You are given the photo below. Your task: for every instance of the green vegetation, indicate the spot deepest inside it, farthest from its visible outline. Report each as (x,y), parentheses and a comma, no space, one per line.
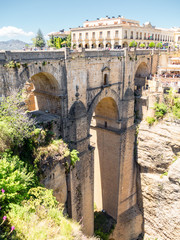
(142,45)
(103,225)
(150,120)
(133,44)
(39,41)
(151,44)
(58,42)
(160,110)
(28,211)
(170,106)
(12,64)
(159,45)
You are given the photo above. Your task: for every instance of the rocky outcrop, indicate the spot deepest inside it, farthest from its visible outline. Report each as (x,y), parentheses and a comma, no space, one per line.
(158,151)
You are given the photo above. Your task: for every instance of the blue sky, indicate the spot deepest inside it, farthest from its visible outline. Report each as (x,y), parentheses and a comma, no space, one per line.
(20,19)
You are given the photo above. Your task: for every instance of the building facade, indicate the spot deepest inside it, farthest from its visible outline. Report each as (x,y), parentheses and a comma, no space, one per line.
(117,33)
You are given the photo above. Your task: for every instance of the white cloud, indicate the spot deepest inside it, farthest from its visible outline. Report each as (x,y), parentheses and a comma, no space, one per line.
(12,32)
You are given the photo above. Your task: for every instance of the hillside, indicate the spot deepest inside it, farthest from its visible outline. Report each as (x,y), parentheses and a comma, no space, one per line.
(12,45)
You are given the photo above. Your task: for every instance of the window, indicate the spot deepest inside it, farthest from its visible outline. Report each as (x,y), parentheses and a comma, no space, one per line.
(108,34)
(125,34)
(136,35)
(145,36)
(93,35)
(116,34)
(131,34)
(86,35)
(105,79)
(141,35)
(74,36)
(80,35)
(100,34)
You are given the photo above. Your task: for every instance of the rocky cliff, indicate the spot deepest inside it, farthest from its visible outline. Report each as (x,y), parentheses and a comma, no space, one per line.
(159,160)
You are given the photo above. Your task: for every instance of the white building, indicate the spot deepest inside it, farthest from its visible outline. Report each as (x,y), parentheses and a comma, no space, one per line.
(117,32)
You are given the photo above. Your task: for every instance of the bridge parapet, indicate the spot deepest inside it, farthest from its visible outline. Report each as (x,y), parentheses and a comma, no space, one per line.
(21,56)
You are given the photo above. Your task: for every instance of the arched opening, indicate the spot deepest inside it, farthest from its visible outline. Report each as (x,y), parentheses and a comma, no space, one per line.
(104,138)
(80,45)
(105,79)
(93,45)
(116,45)
(125,44)
(87,45)
(108,45)
(140,87)
(42,93)
(100,45)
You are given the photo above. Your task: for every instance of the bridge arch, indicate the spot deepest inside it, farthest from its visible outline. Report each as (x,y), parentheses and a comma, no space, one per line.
(104,94)
(43,93)
(142,72)
(104,137)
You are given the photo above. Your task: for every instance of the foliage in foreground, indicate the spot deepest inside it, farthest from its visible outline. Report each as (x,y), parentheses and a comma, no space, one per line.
(40,218)
(27,210)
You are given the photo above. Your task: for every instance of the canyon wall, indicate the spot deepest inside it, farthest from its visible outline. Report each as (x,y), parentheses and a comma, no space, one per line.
(158,152)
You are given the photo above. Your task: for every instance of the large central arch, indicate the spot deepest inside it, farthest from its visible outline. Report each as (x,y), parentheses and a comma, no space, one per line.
(106,156)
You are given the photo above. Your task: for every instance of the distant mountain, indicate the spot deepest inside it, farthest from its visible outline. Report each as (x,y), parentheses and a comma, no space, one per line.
(12,45)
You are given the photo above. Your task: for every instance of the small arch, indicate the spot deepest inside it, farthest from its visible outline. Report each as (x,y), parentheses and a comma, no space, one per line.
(105,79)
(125,44)
(116,45)
(87,45)
(100,45)
(108,45)
(93,45)
(80,45)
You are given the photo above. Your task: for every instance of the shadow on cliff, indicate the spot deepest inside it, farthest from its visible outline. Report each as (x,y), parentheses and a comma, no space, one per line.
(138,119)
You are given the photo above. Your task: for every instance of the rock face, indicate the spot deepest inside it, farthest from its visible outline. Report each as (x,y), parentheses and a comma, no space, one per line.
(158,151)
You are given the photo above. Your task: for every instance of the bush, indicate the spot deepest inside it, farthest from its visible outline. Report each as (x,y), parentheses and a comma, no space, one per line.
(160,110)
(142,45)
(15,125)
(159,45)
(176,108)
(133,44)
(152,45)
(14,179)
(150,120)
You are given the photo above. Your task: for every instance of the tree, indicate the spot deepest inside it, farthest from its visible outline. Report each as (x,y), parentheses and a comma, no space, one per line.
(39,41)
(142,45)
(50,42)
(159,45)
(58,43)
(152,44)
(133,44)
(67,41)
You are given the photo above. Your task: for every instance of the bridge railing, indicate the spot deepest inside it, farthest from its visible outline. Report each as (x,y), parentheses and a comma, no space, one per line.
(104,53)
(31,56)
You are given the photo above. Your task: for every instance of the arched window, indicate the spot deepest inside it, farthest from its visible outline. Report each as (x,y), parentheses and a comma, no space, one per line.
(105,79)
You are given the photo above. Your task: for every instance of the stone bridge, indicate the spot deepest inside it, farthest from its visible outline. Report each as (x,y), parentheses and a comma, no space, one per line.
(92,93)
